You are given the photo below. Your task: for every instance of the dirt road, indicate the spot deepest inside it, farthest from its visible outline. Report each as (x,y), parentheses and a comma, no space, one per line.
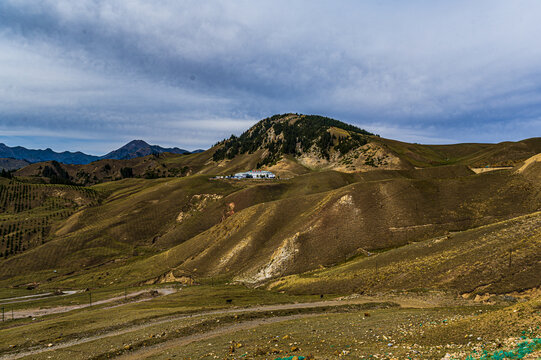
(224,329)
(255,309)
(27,298)
(60,309)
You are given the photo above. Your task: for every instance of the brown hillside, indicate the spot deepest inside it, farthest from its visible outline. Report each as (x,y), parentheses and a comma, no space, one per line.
(531,168)
(152,166)
(474,155)
(299,234)
(276,228)
(279,229)
(497,258)
(12,164)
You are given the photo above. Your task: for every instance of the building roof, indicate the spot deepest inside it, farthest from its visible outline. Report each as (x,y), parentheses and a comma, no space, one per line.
(255,173)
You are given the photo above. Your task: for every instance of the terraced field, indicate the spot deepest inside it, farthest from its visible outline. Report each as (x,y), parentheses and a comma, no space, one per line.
(30,211)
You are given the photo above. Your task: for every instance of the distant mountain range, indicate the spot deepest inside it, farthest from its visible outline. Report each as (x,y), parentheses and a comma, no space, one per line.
(133,149)
(30,155)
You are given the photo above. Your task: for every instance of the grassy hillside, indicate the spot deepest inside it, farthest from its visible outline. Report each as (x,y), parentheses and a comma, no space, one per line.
(435,257)
(474,155)
(167,219)
(140,217)
(255,231)
(497,258)
(127,223)
(301,233)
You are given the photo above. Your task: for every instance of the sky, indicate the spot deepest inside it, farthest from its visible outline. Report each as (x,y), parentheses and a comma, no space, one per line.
(92,75)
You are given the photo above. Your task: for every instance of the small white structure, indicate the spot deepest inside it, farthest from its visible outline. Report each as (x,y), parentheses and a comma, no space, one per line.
(255,174)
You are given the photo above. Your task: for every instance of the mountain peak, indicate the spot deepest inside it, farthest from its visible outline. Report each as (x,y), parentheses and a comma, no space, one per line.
(137,142)
(137,148)
(296,135)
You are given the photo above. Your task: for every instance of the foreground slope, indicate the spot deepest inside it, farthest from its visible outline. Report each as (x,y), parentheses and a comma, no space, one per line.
(496,258)
(126,224)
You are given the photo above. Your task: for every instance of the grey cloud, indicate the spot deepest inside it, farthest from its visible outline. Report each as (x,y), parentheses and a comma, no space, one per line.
(392,66)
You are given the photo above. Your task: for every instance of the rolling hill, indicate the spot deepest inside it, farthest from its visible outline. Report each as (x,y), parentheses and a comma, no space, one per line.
(188,227)
(345,201)
(475,155)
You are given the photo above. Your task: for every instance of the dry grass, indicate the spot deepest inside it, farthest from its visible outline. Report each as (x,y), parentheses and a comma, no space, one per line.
(496,258)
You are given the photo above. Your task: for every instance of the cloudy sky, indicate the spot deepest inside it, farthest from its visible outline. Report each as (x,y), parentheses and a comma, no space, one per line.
(92,75)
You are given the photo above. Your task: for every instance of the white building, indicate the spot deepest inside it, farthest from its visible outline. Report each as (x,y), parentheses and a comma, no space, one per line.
(255,174)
